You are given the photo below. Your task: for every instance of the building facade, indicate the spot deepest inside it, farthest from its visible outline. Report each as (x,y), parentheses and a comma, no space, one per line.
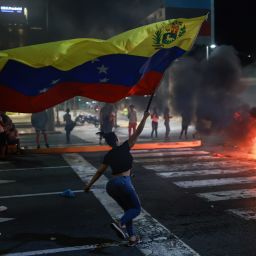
(22,22)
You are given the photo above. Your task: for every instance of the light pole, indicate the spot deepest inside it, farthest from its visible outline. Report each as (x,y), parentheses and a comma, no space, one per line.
(207,52)
(212,46)
(212,22)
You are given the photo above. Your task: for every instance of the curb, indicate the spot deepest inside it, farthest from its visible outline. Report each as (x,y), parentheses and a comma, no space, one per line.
(100,148)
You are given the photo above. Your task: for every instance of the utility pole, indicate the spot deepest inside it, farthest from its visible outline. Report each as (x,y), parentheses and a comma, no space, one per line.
(212,23)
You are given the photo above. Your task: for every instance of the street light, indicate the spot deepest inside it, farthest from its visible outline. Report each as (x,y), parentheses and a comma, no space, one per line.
(212,46)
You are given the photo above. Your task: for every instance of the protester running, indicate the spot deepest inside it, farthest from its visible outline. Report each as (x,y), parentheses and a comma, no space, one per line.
(120,187)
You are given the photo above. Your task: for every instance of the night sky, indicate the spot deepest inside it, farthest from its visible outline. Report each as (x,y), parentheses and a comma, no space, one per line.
(98,18)
(235,25)
(234,20)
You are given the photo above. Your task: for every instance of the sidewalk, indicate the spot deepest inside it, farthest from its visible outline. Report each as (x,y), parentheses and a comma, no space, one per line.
(84,138)
(85,135)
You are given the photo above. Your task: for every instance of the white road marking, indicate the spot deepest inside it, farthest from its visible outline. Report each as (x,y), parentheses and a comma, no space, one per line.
(173,159)
(5,219)
(4,162)
(228,195)
(230,166)
(171,174)
(198,165)
(7,181)
(173,153)
(156,239)
(215,182)
(247,214)
(64,249)
(38,194)
(36,168)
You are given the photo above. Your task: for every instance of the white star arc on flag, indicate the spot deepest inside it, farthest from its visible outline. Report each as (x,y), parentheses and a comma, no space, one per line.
(95,60)
(55,81)
(102,69)
(104,80)
(43,90)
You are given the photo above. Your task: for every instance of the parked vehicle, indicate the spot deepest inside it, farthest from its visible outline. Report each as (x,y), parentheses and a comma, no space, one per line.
(90,119)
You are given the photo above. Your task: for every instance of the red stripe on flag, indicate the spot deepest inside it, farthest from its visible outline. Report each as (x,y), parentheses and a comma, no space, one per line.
(11,100)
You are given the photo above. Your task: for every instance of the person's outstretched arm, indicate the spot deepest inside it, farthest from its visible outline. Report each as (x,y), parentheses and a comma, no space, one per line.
(132,140)
(96,176)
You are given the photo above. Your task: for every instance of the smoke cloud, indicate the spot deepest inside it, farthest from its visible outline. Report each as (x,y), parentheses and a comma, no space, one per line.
(209,92)
(185,81)
(97,19)
(220,87)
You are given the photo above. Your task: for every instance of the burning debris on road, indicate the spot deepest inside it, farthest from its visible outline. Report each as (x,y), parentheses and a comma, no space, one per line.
(209,92)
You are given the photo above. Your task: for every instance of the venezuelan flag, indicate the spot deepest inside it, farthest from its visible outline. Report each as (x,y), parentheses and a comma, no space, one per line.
(36,77)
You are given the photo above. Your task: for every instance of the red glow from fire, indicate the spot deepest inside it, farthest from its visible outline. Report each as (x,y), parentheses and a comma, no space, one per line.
(237,116)
(248,144)
(217,155)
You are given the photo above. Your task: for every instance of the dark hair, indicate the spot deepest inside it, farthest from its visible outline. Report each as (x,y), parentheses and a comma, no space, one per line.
(110,138)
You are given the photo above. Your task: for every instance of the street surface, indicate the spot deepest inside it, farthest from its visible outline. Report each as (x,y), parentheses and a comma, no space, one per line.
(194,202)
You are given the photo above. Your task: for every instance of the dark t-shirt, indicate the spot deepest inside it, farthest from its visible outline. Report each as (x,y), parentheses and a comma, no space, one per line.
(119,158)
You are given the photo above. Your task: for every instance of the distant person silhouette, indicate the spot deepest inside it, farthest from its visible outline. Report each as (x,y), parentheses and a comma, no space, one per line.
(167,117)
(107,120)
(132,116)
(69,124)
(185,122)
(39,121)
(155,119)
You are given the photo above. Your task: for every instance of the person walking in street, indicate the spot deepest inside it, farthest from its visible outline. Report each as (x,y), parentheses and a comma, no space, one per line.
(167,117)
(120,187)
(132,116)
(155,119)
(69,124)
(39,121)
(107,120)
(184,125)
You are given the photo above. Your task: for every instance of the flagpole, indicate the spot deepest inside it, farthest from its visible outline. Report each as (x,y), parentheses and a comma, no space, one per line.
(149,102)
(152,95)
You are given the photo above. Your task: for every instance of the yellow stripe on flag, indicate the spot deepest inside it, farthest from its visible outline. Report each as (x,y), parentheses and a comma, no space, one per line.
(142,41)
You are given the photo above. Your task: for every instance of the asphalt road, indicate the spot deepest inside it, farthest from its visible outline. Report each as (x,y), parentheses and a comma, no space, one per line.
(193,204)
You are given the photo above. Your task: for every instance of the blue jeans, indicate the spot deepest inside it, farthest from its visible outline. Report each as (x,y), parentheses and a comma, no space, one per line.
(122,191)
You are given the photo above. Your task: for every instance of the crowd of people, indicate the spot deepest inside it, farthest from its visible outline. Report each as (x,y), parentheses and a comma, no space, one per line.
(107,120)
(108,116)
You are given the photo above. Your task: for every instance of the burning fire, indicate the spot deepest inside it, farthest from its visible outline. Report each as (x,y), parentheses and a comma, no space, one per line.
(244,129)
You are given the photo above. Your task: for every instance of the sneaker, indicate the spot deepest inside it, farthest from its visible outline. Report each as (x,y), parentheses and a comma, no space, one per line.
(118,230)
(135,242)
(3,208)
